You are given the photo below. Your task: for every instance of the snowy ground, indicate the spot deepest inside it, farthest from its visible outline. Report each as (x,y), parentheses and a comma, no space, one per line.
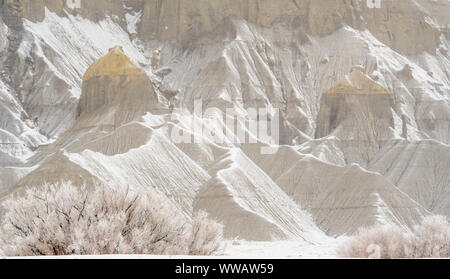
(280,249)
(249,250)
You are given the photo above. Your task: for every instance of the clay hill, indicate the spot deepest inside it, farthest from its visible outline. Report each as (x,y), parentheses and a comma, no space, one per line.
(104,92)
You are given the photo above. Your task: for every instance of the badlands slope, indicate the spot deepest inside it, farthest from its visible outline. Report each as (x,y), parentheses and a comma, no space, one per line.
(363,95)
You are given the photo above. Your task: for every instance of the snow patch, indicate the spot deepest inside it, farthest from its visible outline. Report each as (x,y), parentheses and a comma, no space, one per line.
(132,21)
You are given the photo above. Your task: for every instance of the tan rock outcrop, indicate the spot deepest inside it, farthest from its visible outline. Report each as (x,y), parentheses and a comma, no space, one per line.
(116,84)
(114,65)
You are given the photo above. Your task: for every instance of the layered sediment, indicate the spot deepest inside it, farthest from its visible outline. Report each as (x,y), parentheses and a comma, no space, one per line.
(116,84)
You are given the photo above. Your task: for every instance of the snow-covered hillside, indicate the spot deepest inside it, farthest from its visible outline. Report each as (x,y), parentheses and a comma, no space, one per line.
(363,96)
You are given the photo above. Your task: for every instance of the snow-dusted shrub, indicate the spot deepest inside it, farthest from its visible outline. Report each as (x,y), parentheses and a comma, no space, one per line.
(206,236)
(64,220)
(377,242)
(431,238)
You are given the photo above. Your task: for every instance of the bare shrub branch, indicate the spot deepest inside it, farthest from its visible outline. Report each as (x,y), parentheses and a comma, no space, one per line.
(205,237)
(430,239)
(65,220)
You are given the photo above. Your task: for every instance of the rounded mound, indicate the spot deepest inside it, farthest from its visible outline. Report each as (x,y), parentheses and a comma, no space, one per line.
(115,63)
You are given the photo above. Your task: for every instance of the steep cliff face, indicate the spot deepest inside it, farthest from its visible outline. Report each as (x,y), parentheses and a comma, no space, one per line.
(393,23)
(34,10)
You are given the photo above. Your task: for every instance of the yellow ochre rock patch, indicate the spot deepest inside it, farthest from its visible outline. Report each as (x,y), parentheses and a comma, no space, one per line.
(357,82)
(115,63)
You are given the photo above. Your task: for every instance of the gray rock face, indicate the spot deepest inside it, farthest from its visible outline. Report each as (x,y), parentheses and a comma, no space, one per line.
(359,112)
(392,23)
(419,169)
(363,95)
(344,111)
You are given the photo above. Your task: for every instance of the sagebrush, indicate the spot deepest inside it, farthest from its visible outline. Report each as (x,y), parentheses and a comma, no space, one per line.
(430,239)
(67,220)
(377,242)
